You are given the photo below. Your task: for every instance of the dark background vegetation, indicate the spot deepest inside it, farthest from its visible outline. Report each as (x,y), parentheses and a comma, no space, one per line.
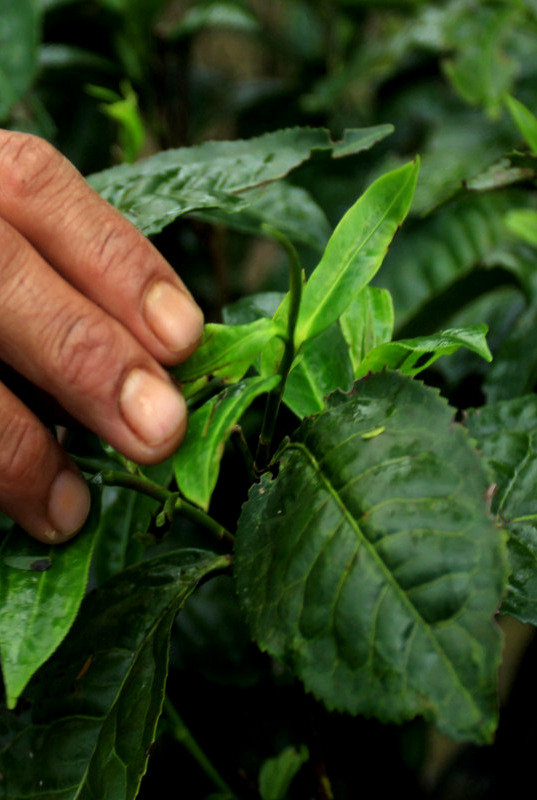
(119,79)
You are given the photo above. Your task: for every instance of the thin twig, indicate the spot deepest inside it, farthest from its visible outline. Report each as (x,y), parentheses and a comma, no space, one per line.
(140,483)
(183,736)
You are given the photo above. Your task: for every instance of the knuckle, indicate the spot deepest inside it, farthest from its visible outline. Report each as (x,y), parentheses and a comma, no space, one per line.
(85,354)
(27,164)
(23,444)
(119,255)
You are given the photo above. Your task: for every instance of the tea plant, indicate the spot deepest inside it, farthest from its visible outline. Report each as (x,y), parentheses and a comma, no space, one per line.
(365,556)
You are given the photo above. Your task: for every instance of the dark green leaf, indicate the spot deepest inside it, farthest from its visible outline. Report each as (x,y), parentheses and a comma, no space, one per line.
(197,462)
(371,566)
(432,254)
(19,36)
(252,307)
(155,191)
(38,607)
(506,433)
(289,209)
(97,701)
(514,369)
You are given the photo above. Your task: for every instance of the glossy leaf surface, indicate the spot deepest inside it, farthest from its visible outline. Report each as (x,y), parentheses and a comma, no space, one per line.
(321,368)
(506,433)
(371,566)
(411,356)
(97,701)
(367,322)
(38,607)
(197,462)
(226,351)
(355,250)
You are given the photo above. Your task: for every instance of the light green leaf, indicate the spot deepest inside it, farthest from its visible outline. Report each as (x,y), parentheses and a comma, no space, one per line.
(411,356)
(19,37)
(355,250)
(37,608)
(276,774)
(371,565)
(523,223)
(506,434)
(525,121)
(156,190)
(197,462)
(321,368)
(227,351)
(97,701)
(367,322)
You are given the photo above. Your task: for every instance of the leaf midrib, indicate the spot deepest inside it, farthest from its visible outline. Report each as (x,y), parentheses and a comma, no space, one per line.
(385,570)
(302,332)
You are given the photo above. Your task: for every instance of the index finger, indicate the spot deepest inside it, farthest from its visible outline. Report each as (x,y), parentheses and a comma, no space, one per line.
(95,248)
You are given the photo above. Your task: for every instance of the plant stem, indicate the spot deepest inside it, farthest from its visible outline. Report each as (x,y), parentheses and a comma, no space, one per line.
(184,737)
(274,398)
(140,483)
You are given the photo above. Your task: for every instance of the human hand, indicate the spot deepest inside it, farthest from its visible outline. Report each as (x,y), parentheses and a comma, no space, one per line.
(89,311)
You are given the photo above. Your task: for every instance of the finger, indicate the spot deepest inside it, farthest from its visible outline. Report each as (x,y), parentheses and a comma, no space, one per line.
(95,248)
(39,487)
(66,345)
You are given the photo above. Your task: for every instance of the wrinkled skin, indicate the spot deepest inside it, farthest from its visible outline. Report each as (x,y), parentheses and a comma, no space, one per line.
(90,313)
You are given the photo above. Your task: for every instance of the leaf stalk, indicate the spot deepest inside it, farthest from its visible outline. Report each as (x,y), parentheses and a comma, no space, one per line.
(140,483)
(183,735)
(274,398)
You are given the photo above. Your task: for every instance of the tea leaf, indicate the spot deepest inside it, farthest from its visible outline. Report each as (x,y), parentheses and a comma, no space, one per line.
(37,608)
(197,462)
(506,433)
(227,351)
(97,701)
(322,367)
(153,192)
(367,322)
(411,356)
(355,250)
(525,121)
(371,566)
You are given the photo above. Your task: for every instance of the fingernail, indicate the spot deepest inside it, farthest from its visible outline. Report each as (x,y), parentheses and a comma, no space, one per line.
(68,505)
(153,408)
(173,317)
